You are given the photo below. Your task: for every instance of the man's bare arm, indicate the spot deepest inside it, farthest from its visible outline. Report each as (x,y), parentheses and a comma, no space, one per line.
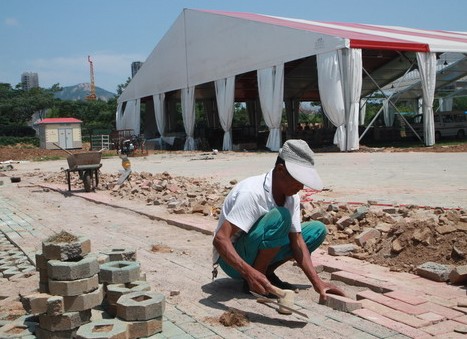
(302,256)
(256,280)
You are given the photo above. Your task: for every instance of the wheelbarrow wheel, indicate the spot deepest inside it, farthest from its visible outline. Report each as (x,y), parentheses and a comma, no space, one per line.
(87,181)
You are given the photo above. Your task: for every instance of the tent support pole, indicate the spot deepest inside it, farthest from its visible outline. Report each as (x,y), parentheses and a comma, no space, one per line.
(392,104)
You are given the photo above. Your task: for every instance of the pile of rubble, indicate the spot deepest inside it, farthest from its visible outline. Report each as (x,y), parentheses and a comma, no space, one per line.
(404,238)
(181,195)
(81,294)
(399,237)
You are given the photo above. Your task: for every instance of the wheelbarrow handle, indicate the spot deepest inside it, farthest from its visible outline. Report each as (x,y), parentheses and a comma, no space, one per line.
(62,148)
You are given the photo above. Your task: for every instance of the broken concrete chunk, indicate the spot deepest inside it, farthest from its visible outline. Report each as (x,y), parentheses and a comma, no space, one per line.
(434,271)
(343,249)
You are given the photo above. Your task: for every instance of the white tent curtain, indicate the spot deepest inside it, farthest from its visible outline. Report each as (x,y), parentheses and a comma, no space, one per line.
(225,92)
(445,104)
(271,95)
(131,118)
(352,90)
(188,114)
(159,112)
(388,113)
(340,85)
(363,103)
(119,116)
(427,68)
(330,92)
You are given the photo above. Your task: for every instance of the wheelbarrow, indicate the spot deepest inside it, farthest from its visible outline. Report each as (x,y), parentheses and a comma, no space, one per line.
(87,165)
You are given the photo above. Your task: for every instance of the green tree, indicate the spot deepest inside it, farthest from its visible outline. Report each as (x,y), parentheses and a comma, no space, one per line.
(121,87)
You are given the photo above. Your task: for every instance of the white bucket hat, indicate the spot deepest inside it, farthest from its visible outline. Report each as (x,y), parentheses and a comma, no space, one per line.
(299,162)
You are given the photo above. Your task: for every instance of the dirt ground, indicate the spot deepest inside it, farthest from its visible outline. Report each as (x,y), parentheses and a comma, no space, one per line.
(408,236)
(27,152)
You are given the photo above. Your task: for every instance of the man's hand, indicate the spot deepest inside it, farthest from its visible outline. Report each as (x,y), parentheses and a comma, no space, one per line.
(325,288)
(258,282)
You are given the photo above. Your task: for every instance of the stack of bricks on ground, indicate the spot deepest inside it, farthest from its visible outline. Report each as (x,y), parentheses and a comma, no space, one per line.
(74,281)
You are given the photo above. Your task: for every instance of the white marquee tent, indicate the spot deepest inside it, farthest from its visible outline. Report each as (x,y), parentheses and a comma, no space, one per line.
(230,56)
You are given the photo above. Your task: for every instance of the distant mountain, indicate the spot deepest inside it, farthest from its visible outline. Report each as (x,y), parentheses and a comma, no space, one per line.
(81,91)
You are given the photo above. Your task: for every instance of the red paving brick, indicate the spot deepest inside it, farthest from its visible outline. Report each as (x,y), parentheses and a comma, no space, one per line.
(389,302)
(393,325)
(358,280)
(409,298)
(443,327)
(441,310)
(390,313)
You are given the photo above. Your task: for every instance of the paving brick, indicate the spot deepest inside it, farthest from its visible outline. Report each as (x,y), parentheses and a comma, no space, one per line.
(115,291)
(143,329)
(16,330)
(342,304)
(66,250)
(103,329)
(461,319)
(119,272)
(451,335)
(41,262)
(433,318)
(140,306)
(73,287)
(458,275)
(408,319)
(441,310)
(443,327)
(73,270)
(342,249)
(35,303)
(434,271)
(408,298)
(196,329)
(359,280)
(64,322)
(84,301)
(367,235)
(392,303)
(394,325)
(55,305)
(171,330)
(46,334)
(121,254)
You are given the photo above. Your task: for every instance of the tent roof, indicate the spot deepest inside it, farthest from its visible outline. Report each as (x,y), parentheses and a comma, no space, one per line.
(204,45)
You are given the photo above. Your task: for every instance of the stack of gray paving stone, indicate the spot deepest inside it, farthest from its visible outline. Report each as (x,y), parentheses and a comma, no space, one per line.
(73,281)
(128,296)
(69,275)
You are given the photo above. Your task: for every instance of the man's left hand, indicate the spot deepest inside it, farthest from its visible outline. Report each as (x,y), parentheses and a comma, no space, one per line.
(327,288)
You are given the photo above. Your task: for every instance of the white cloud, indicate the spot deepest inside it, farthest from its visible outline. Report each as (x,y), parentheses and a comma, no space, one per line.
(11,22)
(110,70)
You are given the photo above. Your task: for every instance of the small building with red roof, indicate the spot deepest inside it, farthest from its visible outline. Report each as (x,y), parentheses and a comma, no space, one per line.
(64,132)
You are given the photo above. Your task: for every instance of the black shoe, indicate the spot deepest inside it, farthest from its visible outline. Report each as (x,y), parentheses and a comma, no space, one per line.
(274,279)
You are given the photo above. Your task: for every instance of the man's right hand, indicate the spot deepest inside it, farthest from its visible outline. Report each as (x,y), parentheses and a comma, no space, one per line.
(258,282)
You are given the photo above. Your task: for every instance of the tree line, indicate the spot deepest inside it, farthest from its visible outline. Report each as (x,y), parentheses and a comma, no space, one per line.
(18,106)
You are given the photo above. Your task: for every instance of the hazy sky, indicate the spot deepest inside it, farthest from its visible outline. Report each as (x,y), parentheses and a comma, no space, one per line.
(54,37)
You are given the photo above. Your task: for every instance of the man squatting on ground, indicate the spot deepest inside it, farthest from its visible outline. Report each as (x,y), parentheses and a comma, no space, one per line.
(260,226)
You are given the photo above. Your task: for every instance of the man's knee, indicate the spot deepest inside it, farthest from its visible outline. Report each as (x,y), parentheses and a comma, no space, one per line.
(277,222)
(314,233)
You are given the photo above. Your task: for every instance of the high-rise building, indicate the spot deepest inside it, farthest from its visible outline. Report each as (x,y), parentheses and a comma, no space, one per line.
(135,66)
(29,80)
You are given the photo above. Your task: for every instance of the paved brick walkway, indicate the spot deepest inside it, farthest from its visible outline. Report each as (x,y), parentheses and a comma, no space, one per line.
(395,305)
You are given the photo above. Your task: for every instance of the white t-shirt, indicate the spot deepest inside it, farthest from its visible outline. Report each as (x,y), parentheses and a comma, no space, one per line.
(249,200)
